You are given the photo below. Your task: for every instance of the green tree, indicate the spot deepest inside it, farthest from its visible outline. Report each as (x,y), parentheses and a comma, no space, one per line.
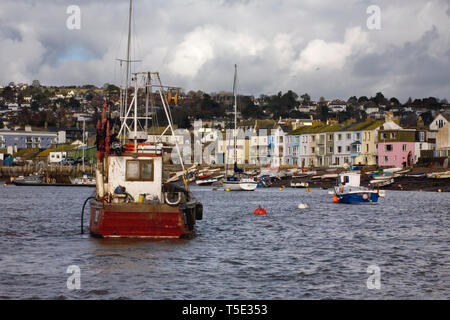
(362,99)
(306,99)
(322,112)
(8,94)
(352,100)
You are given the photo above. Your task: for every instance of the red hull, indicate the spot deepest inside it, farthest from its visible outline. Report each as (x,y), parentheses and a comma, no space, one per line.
(141,221)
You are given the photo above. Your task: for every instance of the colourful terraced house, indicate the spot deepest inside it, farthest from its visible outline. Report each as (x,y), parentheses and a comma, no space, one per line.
(336,144)
(314,144)
(401,147)
(368,152)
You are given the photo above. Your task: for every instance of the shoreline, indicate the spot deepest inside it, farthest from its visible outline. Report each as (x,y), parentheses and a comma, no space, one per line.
(400,183)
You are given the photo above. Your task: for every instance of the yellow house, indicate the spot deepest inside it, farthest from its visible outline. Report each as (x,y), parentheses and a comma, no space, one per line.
(369,136)
(226,151)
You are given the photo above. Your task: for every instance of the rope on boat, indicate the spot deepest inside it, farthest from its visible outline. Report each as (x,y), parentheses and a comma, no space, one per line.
(82,211)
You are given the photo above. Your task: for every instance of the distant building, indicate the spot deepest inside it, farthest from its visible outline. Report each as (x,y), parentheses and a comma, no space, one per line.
(337,106)
(22,139)
(56,156)
(439,122)
(401,147)
(443,141)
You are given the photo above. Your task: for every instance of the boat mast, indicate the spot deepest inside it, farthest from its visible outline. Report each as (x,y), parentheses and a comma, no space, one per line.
(128,58)
(235,114)
(84,145)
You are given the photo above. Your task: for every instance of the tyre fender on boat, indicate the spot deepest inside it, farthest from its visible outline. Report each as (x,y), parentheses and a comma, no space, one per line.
(189,219)
(198,211)
(172,203)
(365,196)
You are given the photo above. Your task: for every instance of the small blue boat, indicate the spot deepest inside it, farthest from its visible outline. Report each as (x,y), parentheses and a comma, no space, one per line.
(349,190)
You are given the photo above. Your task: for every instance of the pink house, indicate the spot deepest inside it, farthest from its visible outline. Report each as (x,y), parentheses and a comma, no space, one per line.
(395,154)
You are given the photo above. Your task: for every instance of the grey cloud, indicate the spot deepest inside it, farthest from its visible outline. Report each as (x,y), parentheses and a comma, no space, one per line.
(265,38)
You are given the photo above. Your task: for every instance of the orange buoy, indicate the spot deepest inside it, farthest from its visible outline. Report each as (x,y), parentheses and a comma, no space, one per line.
(335,199)
(260,210)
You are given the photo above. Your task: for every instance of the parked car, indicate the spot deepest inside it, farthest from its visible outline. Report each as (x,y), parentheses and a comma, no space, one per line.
(79,160)
(67,162)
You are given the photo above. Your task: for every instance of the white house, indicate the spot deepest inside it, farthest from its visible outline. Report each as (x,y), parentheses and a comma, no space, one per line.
(439,122)
(443,141)
(342,147)
(56,156)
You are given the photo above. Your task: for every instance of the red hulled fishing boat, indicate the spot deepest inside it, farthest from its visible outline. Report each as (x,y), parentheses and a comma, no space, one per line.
(132,199)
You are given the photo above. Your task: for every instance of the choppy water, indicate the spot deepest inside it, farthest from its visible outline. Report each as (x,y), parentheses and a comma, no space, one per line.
(319,253)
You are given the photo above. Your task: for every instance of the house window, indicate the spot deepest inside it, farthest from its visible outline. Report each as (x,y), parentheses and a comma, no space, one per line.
(348,148)
(386,159)
(339,136)
(312,149)
(330,137)
(421,136)
(139,170)
(392,135)
(388,147)
(404,147)
(330,149)
(349,136)
(339,149)
(313,138)
(358,136)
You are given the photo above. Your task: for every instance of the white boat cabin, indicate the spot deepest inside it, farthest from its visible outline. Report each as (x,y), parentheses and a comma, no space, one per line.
(350,179)
(140,174)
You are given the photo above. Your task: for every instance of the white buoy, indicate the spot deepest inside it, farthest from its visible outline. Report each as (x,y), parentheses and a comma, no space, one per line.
(303,206)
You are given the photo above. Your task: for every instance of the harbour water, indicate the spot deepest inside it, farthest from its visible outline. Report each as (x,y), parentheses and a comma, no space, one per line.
(322,252)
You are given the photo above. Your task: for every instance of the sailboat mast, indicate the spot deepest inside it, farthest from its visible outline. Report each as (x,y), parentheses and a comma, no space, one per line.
(128,58)
(84,144)
(235,113)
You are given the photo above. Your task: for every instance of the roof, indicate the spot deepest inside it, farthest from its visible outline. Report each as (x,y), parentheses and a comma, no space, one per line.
(26,153)
(317,128)
(345,126)
(61,148)
(265,124)
(365,125)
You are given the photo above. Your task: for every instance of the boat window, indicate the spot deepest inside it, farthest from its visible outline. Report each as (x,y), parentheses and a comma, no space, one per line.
(147,170)
(139,170)
(132,173)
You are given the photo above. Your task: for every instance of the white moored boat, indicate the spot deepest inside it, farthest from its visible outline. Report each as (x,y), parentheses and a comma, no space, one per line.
(205,182)
(240,185)
(439,175)
(238,181)
(297,184)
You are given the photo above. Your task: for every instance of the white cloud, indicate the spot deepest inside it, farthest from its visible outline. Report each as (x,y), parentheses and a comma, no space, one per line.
(320,54)
(209,42)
